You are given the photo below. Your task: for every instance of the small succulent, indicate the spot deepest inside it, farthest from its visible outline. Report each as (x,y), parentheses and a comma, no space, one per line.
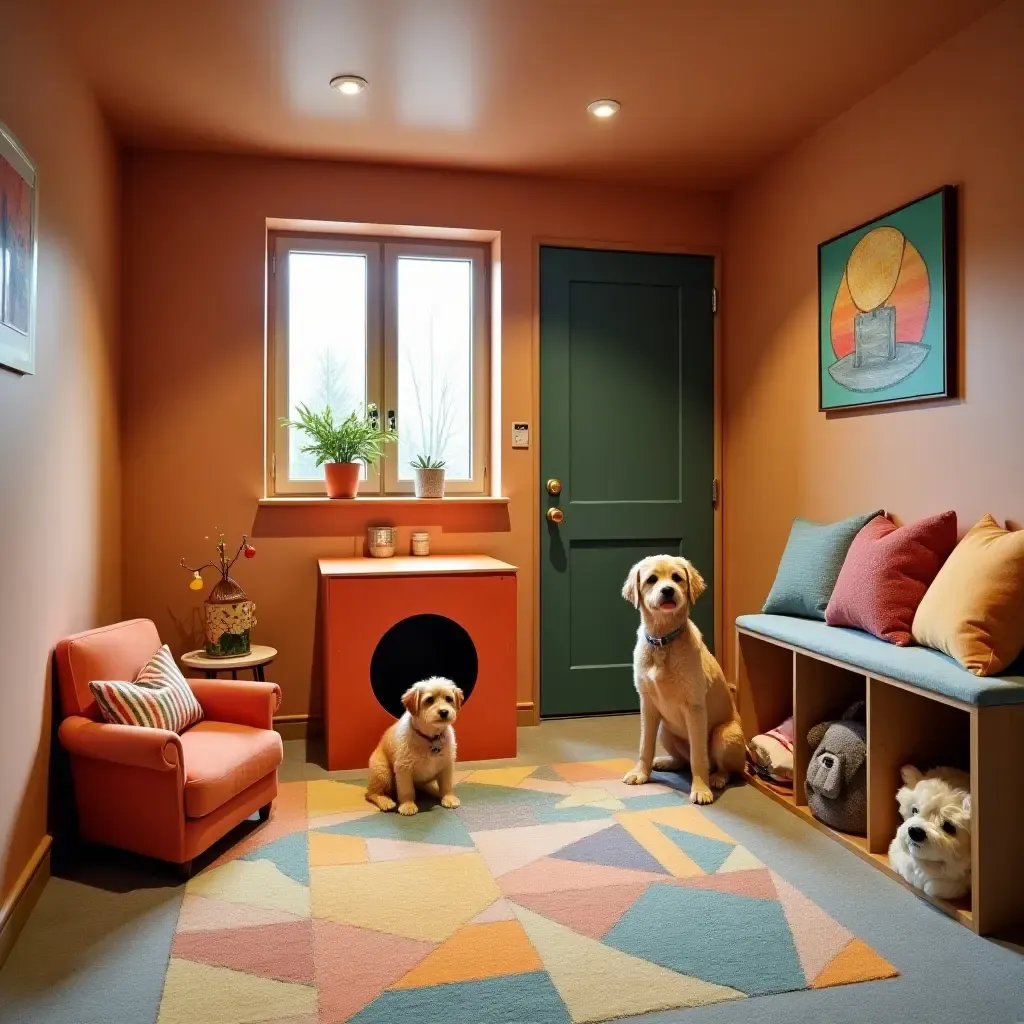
(427,462)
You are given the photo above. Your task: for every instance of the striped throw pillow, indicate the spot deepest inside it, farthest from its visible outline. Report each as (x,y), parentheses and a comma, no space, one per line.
(160,698)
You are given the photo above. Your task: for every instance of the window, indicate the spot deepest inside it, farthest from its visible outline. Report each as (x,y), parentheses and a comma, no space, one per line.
(402,325)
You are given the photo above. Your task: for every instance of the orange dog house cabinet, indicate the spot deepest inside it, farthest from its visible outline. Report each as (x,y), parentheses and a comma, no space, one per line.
(390,622)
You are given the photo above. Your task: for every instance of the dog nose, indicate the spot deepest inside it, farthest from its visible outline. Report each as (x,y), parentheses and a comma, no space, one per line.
(667,592)
(443,712)
(917,833)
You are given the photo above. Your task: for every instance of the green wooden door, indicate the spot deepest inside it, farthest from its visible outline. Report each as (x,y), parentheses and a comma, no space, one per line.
(627,426)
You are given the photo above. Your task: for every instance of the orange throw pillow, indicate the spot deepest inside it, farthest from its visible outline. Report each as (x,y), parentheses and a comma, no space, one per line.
(974,611)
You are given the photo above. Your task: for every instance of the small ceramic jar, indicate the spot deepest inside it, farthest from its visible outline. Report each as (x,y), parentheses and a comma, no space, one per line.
(421,543)
(380,540)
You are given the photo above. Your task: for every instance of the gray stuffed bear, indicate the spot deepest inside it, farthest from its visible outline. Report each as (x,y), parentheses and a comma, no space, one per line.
(836,781)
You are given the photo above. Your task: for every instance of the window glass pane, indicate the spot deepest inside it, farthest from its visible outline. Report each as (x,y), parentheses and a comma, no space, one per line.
(326,343)
(435,363)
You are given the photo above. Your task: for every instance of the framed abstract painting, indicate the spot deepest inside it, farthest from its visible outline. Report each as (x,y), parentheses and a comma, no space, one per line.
(18,228)
(887,307)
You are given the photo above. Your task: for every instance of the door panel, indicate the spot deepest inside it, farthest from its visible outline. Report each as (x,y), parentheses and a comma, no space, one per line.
(619,391)
(627,425)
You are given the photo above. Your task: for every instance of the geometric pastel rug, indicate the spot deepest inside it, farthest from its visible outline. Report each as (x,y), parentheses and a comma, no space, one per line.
(553,895)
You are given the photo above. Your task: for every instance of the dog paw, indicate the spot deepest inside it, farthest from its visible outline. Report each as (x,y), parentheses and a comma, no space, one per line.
(385,803)
(665,764)
(408,808)
(719,780)
(699,794)
(450,800)
(637,777)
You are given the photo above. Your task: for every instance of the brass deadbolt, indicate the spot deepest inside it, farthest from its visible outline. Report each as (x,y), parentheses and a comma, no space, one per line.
(554,486)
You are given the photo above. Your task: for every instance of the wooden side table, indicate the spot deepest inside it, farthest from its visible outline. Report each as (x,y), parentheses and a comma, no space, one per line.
(258,656)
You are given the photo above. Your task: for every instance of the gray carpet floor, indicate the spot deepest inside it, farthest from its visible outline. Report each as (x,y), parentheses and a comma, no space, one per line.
(95,949)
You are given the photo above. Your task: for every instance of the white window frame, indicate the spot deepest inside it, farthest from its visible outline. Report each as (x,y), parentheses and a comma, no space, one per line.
(382,257)
(479,371)
(280,475)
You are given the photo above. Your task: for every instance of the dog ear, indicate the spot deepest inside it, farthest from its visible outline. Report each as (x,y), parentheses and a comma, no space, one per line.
(459,697)
(411,700)
(631,588)
(967,806)
(817,733)
(911,776)
(695,585)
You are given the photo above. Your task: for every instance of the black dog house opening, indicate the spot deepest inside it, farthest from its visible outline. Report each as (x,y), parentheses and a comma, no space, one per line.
(417,648)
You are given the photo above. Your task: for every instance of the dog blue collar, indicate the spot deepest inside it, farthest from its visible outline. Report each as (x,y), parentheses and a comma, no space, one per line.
(663,641)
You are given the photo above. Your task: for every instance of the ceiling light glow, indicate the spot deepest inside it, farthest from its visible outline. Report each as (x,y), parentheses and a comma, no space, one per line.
(349,85)
(603,108)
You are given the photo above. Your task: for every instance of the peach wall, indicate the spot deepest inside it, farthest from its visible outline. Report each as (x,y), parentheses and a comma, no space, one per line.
(59,462)
(194,257)
(955,117)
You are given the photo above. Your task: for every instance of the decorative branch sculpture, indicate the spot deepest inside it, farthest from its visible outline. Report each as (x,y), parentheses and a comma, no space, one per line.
(223,564)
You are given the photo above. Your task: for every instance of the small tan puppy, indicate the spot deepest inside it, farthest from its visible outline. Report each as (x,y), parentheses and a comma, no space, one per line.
(684,698)
(418,750)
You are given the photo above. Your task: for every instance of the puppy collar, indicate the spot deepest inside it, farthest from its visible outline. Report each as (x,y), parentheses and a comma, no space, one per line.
(663,641)
(436,742)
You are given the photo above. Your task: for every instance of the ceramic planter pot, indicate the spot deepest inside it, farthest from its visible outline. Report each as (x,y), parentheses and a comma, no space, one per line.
(342,479)
(429,482)
(229,617)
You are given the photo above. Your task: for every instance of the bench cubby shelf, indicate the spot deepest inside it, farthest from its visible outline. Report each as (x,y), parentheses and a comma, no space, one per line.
(905,724)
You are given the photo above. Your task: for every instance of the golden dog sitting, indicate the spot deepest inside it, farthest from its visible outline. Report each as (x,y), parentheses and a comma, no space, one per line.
(418,750)
(684,698)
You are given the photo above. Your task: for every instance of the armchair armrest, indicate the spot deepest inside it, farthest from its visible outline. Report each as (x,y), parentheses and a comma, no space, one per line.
(237,701)
(135,746)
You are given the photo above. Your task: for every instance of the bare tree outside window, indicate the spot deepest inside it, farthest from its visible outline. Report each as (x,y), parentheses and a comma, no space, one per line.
(435,307)
(334,391)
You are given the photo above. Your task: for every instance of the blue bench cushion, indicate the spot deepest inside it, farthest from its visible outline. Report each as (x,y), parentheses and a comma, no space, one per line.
(919,666)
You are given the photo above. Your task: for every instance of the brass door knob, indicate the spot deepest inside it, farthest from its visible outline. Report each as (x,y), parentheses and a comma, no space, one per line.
(554,486)
(555,515)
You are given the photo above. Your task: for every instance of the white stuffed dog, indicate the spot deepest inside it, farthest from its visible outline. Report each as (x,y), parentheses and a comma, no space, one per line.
(932,848)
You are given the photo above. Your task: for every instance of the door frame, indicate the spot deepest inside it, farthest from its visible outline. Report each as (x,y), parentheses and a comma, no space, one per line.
(529,712)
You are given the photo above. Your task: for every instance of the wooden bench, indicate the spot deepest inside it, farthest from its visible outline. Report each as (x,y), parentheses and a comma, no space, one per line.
(922,709)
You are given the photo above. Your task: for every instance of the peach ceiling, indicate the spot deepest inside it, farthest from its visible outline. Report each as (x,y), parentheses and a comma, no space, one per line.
(709,88)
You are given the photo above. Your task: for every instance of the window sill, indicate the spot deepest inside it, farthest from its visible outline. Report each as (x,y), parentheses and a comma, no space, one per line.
(316,501)
(314,516)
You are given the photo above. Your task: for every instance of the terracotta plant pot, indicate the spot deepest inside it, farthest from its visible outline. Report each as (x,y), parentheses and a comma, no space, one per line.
(429,482)
(342,479)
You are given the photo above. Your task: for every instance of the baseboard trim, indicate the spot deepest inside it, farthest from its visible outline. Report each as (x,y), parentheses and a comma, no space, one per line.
(526,713)
(298,727)
(23,897)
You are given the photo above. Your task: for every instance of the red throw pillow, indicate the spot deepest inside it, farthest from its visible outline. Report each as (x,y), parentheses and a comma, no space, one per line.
(887,570)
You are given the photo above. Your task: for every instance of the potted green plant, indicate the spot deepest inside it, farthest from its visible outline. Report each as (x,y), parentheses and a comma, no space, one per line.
(429,476)
(341,447)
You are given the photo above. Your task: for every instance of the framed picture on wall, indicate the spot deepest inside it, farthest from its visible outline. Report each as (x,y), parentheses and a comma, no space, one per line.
(887,307)
(18,227)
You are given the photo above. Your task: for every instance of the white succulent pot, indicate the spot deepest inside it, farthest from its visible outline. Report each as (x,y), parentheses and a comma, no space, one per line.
(429,482)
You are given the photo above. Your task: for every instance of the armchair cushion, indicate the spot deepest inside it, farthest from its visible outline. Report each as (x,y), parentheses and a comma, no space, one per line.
(159,698)
(238,701)
(222,759)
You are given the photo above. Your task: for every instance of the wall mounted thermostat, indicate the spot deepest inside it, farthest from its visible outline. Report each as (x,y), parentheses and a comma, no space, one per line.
(520,435)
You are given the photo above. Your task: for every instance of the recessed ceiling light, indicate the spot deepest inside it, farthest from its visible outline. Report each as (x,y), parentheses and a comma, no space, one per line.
(603,108)
(349,85)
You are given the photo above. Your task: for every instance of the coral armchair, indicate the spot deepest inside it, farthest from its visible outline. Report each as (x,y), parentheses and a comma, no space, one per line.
(150,790)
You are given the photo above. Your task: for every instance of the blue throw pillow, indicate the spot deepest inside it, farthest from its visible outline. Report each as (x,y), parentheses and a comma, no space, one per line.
(810,566)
